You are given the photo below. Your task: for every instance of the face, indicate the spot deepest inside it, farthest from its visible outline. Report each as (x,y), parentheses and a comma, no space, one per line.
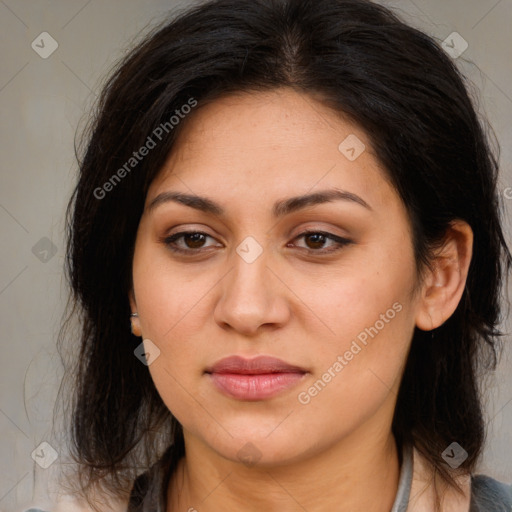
(324,284)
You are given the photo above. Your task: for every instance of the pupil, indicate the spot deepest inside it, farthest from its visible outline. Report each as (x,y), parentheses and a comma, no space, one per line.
(195,238)
(319,241)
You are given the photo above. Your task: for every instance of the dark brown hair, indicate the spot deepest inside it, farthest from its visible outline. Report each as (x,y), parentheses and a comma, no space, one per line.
(363,62)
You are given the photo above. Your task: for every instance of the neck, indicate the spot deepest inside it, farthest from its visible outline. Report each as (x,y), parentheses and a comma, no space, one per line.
(347,477)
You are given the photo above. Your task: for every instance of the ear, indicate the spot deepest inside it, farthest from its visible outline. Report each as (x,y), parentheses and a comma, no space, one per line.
(135,321)
(443,286)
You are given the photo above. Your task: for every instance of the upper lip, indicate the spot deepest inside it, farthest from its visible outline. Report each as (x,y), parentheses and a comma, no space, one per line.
(254,366)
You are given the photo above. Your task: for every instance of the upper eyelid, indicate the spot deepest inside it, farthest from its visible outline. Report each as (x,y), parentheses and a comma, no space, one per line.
(289,232)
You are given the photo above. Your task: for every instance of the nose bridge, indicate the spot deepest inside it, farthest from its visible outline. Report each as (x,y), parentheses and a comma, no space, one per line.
(250,276)
(250,297)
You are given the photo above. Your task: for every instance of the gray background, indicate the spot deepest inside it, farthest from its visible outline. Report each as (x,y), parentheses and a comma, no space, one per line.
(43,101)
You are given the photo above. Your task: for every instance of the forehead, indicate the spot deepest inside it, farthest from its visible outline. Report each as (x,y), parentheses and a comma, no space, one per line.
(279,142)
(267,118)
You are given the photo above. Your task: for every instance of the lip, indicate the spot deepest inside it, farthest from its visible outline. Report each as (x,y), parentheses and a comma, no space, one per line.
(254,379)
(256,365)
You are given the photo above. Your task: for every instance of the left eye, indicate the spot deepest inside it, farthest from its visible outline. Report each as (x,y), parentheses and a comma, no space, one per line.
(194,241)
(317,239)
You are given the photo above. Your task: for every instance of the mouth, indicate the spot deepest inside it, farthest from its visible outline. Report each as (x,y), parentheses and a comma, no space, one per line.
(254,379)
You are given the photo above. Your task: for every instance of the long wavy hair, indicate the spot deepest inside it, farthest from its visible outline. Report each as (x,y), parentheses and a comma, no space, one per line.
(363,62)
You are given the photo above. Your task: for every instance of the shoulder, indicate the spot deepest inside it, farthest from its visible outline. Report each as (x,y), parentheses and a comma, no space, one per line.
(490,495)
(427,488)
(148,492)
(480,493)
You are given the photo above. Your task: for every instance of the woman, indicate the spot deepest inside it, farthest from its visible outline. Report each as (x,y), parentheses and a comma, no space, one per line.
(295,204)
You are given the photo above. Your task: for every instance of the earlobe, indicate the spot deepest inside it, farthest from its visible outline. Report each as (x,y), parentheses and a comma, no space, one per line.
(136,330)
(445,282)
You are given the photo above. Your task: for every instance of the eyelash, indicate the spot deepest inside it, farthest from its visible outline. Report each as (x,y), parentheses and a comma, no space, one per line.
(341,242)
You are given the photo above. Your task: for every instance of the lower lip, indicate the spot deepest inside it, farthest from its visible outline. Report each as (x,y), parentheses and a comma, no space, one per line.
(254,387)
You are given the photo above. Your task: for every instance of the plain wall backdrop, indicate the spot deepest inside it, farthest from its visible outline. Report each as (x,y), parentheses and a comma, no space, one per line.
(46,97)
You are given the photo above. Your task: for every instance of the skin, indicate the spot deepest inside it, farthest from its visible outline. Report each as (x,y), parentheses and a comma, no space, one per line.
(336,452)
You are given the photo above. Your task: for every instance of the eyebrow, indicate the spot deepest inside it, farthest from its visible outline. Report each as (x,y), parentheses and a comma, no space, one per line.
(280,209)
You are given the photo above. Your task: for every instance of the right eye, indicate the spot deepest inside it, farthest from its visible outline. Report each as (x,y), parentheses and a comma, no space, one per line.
(193,241)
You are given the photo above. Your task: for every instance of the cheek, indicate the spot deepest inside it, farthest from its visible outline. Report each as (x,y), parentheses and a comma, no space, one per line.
(169,299)
(175,387)
(361,371)
(370,316)
(170,311)
(349,304)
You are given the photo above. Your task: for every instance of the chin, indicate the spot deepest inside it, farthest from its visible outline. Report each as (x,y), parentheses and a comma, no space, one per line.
(254,448)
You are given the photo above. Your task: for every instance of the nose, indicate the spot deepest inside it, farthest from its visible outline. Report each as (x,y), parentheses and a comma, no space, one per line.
(252,297)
